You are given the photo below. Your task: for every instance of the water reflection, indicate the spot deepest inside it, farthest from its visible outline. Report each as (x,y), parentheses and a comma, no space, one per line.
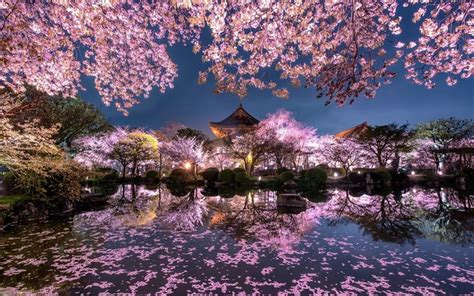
(153,239)
(393,216)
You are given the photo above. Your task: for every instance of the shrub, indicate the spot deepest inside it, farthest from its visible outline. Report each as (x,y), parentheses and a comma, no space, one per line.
(340,172)
(62,181)
(180,177)
(315,177)
(399,177)
(226,191)
(226,176)
(210,175)
(239,170)
(356,178)
(10,182)
(152,175)
(302,173)
(242,178)
(178,189)
(107,175)
(383,175)
(281,170)
(285,176)
(324,167)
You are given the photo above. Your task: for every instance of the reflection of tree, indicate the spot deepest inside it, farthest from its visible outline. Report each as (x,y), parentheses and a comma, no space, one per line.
(256,223)
(385,217)
(186,213)
(404,216)
(448,215)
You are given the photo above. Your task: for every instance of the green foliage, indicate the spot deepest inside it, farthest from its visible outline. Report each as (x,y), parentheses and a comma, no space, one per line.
(107,175)
(226,192)
(239,170)
(12,199)
(270,184)
(178,189)
(152,175)
(446,130)
(226,176)
(285,176)
(180,177)
(399,177)
(301,173)
(192,133)
(324,167)
(210,175)
(242,178)
(10,182)
(134,149)
(340,172)
(59,179)
(74,117)
(356,178)
(62,182)
(281,170)
(315,178)
(382,175)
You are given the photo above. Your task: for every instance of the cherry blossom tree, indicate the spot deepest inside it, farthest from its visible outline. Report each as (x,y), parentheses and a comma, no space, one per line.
(220,158)
(26,146)
(293,141)
(344,49)
(138,147)
(95,150)
(184,150)
(443,134)
(385,142)
(251,148)
(344,153)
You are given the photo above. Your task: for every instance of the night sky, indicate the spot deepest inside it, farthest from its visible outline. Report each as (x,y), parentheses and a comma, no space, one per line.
(195,105)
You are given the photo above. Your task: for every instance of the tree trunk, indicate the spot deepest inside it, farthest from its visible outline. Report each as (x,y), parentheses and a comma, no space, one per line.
(379,158)
(161,165)
(124,169)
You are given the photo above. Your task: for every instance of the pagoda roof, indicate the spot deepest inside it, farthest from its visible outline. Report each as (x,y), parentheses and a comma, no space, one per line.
(240,117)
(354,131)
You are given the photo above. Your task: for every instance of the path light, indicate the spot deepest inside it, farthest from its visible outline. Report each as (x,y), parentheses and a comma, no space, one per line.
(336,174)
(164,174)
(187,165)
(412,173)
(359,172)
(440,173)
(260,178)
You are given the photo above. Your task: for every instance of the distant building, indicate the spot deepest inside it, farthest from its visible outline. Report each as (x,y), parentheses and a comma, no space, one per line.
(353,132)
(240,121)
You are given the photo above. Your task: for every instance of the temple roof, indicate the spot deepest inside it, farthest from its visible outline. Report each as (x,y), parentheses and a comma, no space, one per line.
(354,131)
(240,117)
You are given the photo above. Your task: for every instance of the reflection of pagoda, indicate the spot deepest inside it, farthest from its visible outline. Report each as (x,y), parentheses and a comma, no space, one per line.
(237,122)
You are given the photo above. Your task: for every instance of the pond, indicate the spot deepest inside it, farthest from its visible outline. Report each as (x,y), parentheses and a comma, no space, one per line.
(418,241)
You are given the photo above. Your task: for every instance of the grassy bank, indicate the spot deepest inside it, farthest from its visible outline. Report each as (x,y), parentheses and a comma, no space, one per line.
(7,200)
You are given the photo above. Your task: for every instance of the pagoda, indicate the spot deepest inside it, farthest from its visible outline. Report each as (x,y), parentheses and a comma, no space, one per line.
(238,122)
(353,132)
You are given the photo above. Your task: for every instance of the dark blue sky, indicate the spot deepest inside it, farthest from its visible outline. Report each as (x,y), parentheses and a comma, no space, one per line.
(195,105)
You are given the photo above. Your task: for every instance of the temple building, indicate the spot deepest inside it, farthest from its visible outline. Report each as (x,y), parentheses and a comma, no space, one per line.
(238,122)
(353,132)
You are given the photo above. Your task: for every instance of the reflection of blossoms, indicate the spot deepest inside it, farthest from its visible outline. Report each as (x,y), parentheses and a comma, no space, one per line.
(187,214)
(395,218)
(258,226)
(129,206)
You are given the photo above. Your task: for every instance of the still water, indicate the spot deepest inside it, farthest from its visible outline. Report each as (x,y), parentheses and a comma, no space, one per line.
(419,241)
